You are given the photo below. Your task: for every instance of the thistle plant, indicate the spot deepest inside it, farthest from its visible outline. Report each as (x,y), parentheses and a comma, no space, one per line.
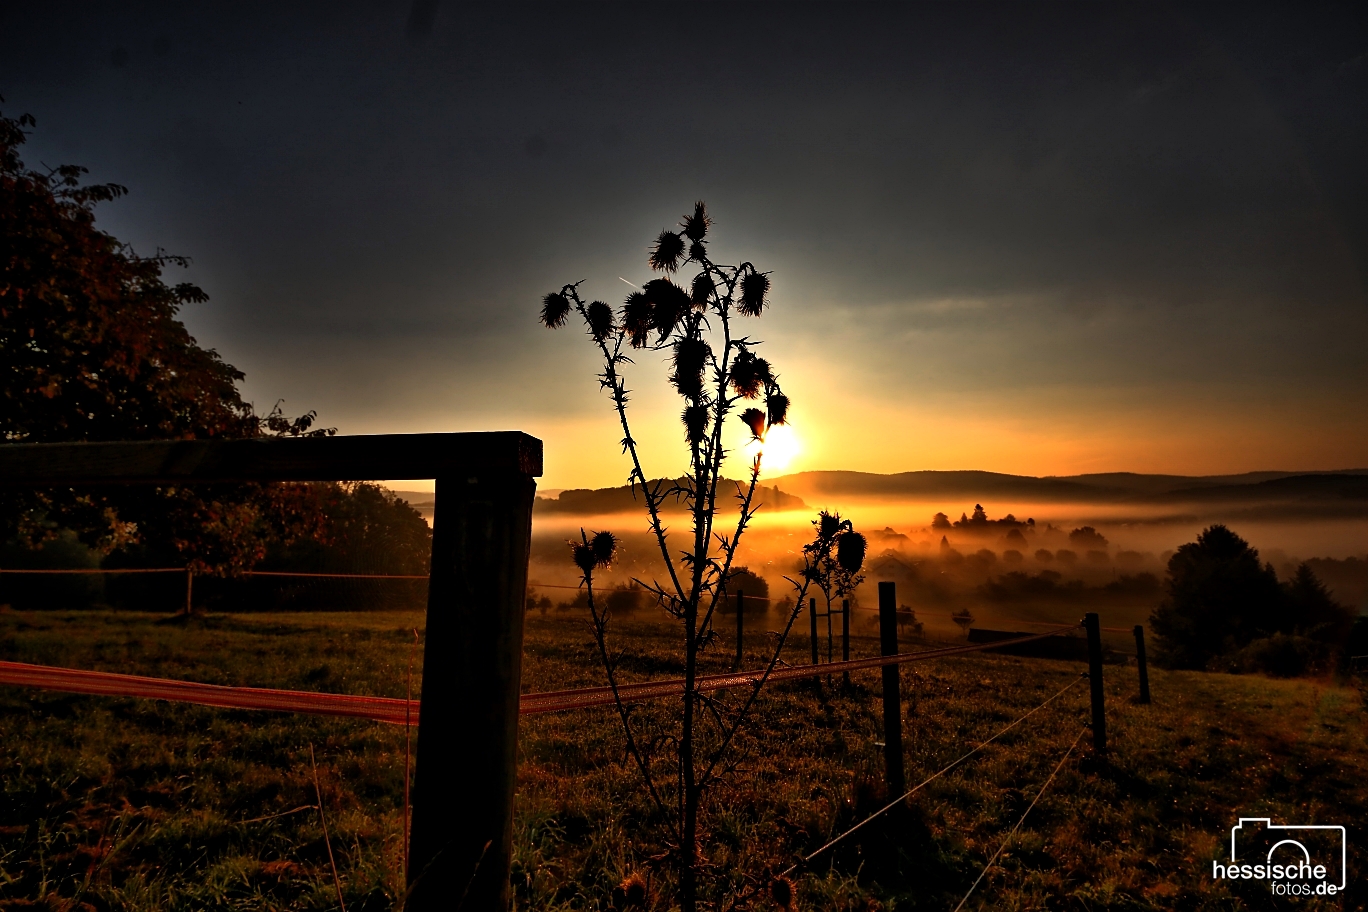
(719,375)
(833,560)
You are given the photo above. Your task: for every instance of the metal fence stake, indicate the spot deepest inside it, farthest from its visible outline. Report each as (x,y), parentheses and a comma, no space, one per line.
(812,616)
(1099,713)
(740,613)
(845,639)
(892,696)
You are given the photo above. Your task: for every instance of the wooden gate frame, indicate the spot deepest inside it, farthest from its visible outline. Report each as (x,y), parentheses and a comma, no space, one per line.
(462,830)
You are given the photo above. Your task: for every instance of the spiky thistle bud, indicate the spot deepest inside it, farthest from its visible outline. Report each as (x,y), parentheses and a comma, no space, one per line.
(850,551)
(637,318)
(696,225)
(829,524)
(669,304)
(695,418)
(604,545)
(669,247)
(634,891)
(701,290)
(749,374)
(754,287)
(555,308)
(697,252)
(754,419)
(777,404)
(690,357)
(583,555)
(781,892)
(600,318)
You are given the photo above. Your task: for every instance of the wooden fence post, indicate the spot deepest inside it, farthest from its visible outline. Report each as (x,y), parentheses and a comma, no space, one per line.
(812,615)
(189,591)
(892,696)
(740,612)
(1099,712)
(845,638)
(1140,663)
(462,829)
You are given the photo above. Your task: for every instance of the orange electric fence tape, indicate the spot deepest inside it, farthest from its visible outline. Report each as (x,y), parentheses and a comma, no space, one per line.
(391,710)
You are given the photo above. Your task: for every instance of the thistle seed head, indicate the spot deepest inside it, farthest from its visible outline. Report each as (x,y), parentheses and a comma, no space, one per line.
(754,419)
(669,247)
(777,404)
(701,290)
(696,225)
(749,374)
(695,418)
(637,319)
(583,556)
(604,545)
(669,304)
(829,524)
(850,551)
(634,891)
(690,357)
(555,308)
(600,318)
(781,892)
(754,287)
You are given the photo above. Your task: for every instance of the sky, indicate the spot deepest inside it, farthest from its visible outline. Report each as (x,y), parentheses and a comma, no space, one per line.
(1027,238)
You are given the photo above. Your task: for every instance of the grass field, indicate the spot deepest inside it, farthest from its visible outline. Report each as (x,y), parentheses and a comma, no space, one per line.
(126,804)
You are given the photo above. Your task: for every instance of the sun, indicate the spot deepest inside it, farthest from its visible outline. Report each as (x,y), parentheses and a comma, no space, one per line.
(780,447)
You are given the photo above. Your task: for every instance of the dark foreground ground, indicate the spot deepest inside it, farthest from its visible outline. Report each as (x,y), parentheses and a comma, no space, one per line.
(132,805)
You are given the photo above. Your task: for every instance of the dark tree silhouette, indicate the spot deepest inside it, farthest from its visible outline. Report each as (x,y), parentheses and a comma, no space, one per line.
(1217,598)
(91,349)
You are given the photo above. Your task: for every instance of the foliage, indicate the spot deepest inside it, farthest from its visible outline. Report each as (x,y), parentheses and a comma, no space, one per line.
(1219,600)
(755,587)
(963,618)
(91,349)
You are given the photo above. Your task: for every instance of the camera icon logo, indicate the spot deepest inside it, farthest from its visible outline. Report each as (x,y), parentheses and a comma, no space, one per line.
(1305,859)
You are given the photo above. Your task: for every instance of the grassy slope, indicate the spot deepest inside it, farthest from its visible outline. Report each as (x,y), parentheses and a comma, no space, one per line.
(136,805)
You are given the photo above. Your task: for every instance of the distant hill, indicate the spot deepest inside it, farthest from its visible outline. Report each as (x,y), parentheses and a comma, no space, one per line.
(1119,487)
(584,501)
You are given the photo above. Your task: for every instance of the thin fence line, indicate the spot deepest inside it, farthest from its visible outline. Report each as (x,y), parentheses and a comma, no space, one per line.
(83,570)
(932,778)
(110,570)
(395,711)
(407,576)
(646,690)
(1012,834)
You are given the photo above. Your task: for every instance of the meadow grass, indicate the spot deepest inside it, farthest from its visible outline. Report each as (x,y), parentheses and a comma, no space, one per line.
(128,804)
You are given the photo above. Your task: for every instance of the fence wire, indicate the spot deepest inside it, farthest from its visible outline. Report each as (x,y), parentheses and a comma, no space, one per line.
(928,780)
(1012,834)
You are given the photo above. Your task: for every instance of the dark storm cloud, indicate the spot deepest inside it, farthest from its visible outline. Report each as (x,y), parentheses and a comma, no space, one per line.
(1125,190)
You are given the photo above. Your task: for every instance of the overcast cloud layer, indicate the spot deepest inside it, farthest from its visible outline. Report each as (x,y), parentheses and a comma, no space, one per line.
(1027,238)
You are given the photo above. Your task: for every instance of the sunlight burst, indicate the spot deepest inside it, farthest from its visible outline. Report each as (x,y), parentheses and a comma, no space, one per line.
(780,447)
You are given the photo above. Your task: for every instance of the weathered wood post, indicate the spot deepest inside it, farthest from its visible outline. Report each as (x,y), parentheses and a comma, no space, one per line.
(1099,713)
(812,616)
(462,831)
(740,626)
(892,696)
(845,638)
(1140,663)
(461,835)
